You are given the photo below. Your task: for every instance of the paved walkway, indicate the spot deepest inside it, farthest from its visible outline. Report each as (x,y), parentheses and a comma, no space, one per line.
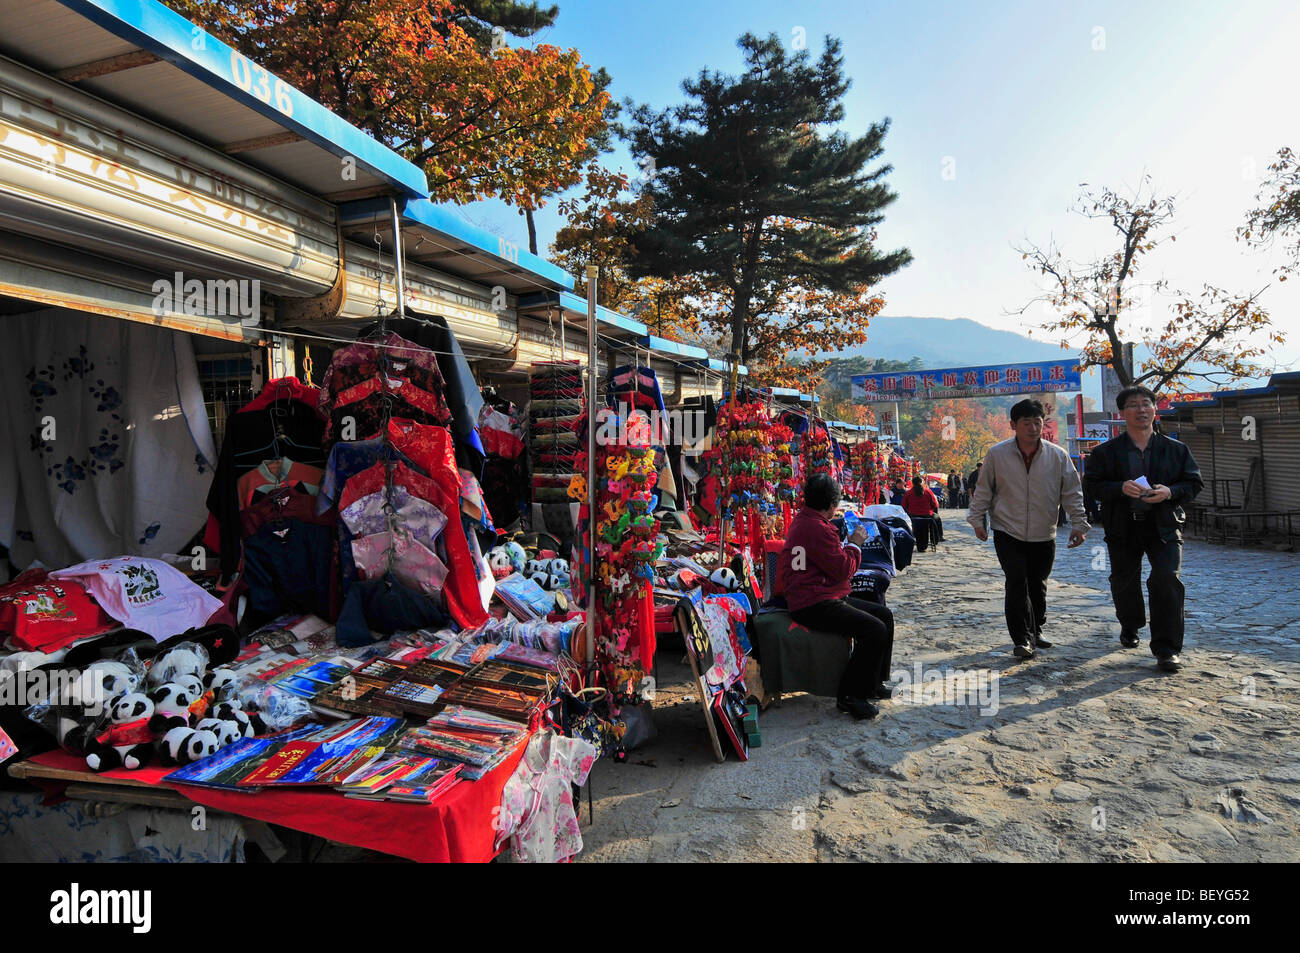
(1084,753)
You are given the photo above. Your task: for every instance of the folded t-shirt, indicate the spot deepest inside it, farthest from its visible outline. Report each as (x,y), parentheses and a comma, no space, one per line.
(144,594)
(43,615)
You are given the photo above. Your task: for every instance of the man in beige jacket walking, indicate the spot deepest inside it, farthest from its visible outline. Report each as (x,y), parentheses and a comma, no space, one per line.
(1022,486)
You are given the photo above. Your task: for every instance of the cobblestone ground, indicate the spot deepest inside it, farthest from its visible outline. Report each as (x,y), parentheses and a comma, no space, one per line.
(1085,753)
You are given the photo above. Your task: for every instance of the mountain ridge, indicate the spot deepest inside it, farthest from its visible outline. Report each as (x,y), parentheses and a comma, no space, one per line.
(947,342)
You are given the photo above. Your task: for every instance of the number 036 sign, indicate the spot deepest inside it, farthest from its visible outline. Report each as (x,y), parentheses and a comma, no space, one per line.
(251,78)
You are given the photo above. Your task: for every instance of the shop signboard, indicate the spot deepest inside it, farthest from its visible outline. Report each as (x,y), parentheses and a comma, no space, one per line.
(954,382)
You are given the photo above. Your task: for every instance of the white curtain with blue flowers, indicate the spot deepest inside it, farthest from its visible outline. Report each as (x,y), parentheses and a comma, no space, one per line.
(105,448)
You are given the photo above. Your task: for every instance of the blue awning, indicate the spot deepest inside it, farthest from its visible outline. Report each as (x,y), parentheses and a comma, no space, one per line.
(617,326)
(435,236)
(146,58)
(723,367)
(677,349)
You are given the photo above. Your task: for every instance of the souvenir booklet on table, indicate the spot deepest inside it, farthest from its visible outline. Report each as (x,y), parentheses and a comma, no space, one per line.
(315,759)
(225,768)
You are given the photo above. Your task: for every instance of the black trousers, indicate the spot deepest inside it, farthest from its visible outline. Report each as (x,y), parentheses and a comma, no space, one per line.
(1164,585)
(1026,566)
(870,626)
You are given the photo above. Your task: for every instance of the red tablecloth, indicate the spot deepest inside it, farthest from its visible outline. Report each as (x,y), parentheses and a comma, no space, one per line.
(457,828)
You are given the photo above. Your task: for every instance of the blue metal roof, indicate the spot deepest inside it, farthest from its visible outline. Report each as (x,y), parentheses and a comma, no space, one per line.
(577,306)
(723,367)
(676,348)
(486,257)
(169,36)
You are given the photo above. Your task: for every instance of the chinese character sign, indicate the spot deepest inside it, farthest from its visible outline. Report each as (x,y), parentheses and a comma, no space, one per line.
(995,380)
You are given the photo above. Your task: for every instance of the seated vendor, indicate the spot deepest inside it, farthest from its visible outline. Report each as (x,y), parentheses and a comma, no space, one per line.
(814,572)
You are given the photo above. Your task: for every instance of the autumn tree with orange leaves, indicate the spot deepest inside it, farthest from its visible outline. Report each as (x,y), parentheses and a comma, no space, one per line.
(430,79)
(957,436)
(596,233)
(1213,335)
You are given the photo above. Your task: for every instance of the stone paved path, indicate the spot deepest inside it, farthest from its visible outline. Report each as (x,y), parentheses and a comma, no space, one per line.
(1085,753)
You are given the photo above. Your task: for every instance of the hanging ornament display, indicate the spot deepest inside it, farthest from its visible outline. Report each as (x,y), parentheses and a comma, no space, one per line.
(818,456)
(626,547)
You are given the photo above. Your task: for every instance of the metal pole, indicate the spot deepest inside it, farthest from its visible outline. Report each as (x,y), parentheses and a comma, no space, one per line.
(593,273)
(399,276)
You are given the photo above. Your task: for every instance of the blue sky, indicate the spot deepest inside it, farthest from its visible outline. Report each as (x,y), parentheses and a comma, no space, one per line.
(1020,103)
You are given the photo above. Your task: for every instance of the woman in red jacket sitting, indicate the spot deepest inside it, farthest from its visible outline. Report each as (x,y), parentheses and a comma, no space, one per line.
(814,572)
(922,505)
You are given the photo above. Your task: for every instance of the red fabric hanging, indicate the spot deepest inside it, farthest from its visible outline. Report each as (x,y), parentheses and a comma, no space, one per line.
(284,388)
(432,448)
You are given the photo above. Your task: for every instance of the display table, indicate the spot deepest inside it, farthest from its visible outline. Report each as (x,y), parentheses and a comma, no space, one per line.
(458,828)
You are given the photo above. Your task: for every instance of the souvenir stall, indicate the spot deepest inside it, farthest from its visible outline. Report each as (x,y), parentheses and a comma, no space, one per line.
(322,620)
(370,669)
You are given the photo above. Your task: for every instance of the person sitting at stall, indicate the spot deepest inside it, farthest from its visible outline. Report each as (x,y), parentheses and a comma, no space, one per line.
(814,572)
(922,505)
(896,492)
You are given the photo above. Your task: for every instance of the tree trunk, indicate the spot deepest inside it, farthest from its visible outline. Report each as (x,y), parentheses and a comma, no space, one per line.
(532,231)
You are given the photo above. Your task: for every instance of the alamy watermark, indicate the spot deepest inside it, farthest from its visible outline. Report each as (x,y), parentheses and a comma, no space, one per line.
(61,686)
(229,297)
(650,428)
(950,688)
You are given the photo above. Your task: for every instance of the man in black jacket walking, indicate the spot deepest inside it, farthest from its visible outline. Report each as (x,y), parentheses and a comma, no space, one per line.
(1142,478)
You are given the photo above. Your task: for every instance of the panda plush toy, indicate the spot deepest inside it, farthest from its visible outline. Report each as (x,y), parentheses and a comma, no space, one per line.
(248,724)
(184,745)
(725,578)
(218,681)
(171,708)
(128,742)
(185,659)
(103,681)
(226,732)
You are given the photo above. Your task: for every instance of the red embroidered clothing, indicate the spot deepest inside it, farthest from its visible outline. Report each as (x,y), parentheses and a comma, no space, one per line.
(365,358)
(431,448)
(825,567)
(283,388)
(375,478)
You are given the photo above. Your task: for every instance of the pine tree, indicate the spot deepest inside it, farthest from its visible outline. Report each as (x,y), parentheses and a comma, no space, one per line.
(755,193)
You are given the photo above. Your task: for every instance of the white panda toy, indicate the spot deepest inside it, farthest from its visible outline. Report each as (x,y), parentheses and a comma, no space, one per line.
(726,578)
(185,659)
(226,732)
(183,745)
(557,581)
(171,704)
(103,681)
(201,744)
(560,566)
(218,680)
(248,725)
(128,742)
(192,684)
(498,560)
(537,566)
(543,579)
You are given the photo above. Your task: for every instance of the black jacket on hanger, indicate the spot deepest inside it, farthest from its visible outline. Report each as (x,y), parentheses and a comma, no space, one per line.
(286,428)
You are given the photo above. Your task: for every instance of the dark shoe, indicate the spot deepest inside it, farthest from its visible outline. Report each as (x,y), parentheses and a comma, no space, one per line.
(882,691)
(1041,643)
(1169,663)
(859,708)
(1128,639)
(1024,651)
